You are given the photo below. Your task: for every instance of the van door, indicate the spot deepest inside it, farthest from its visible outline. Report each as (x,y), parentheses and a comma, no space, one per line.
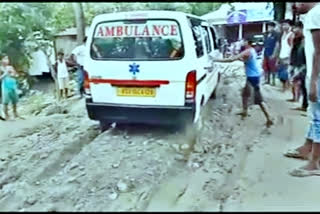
(201,64)
(138,62)
(214,54)
(208,66)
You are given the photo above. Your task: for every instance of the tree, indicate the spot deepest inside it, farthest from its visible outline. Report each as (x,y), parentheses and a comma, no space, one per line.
(80,22)
(279,10)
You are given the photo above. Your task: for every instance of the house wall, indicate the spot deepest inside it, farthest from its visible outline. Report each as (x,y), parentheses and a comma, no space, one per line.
(66,43)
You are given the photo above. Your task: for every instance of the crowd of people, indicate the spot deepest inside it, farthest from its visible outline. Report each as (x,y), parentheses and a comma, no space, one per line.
(293,55)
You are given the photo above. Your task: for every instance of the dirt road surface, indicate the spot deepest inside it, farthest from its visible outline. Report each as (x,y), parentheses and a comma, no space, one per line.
(57,159)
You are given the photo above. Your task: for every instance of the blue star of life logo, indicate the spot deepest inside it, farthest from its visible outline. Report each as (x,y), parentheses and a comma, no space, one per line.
(134,68)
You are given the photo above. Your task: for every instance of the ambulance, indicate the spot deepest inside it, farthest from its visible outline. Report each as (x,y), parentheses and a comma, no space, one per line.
(149,67)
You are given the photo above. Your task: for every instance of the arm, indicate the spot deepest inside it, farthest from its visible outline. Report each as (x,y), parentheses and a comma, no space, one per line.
(3,75)
(276,50)
(13,72)
(241,56)
(315,65)
(290,40)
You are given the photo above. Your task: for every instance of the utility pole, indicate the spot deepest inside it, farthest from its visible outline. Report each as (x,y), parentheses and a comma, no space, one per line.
(80,22)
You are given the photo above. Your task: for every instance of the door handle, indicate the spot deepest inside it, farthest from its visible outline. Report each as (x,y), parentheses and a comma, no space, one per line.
(210,69)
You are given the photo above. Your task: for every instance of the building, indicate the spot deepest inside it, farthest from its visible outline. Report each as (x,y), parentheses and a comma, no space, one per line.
(67,40)
(243,19)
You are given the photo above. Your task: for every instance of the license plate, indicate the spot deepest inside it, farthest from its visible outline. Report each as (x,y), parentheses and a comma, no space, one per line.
(136,92)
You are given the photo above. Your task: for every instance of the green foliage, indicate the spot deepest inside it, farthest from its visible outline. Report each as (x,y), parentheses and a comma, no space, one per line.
(18,23)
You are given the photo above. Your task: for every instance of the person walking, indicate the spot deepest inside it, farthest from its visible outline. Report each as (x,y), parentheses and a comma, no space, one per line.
(286,44)
(271,45)
(252,87)
(79,53)
(311,148)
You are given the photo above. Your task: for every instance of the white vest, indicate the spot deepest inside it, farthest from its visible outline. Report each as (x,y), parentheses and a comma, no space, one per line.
(285,50)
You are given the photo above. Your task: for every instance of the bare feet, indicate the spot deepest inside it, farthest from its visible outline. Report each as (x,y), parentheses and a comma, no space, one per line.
(269,123)
(300,109)
(243,115)
(291,100)
(300,153)
(311,165)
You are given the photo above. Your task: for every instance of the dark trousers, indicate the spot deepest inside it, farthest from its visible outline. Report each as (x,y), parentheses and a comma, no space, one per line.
(304,92)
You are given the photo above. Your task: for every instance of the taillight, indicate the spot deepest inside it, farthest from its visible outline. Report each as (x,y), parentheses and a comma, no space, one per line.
(191,85)
(86,84)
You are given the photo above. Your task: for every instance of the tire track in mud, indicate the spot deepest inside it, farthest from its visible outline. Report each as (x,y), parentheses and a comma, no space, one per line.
(84,171)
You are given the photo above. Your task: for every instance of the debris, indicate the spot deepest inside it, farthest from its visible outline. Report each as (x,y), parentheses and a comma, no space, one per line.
(44,156)
(122,187)
(113,196)
(74,165)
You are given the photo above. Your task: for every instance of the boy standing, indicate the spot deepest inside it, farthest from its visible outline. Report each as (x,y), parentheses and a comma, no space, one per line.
(62,75)
(271,45)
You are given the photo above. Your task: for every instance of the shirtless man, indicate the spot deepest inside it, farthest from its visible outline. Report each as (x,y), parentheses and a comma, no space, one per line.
(252,87)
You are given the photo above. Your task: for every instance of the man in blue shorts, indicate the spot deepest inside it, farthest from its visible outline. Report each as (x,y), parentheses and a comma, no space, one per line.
(252,87)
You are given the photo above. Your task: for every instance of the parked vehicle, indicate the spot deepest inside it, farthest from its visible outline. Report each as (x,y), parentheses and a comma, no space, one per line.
(152,67)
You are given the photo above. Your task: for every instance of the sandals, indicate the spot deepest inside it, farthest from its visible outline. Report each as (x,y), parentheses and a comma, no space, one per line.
(294,153)
(299,109)
(304,173)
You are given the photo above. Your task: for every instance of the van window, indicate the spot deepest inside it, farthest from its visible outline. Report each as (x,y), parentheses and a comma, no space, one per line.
(207,39)
(214,38)
(196,31)
(152,39)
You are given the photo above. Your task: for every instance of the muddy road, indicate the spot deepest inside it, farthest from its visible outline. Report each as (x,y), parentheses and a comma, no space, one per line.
(57,159)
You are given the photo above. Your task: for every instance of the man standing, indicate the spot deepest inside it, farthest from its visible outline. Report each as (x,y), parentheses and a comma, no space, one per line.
(271,45)
(298,63)
(286,44)
(79,53)
(252,87)
(311,147)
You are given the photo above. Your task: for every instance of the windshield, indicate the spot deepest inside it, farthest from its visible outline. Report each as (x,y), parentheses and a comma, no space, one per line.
(138,40)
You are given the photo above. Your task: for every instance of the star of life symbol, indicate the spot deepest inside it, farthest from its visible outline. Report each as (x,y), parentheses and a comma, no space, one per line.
(134,68)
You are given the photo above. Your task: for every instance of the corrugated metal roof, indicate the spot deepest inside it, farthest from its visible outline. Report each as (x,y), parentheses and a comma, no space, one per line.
(71,32)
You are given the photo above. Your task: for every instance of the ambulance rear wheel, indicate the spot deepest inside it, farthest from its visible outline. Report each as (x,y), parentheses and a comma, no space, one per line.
(104,126)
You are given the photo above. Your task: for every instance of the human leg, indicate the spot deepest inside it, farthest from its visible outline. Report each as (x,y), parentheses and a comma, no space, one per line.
(245,98)
(312,145)
(5,110)
(266,70)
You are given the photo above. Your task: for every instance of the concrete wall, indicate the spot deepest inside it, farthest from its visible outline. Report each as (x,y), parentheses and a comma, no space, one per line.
(66,43)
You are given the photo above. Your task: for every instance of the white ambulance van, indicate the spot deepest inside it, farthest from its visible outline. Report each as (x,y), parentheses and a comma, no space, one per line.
(151,67)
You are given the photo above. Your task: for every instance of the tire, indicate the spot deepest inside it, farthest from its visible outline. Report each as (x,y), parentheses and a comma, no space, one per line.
(214,93)
(104,126)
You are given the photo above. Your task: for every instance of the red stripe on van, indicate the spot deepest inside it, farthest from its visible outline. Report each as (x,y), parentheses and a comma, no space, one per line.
(151,83)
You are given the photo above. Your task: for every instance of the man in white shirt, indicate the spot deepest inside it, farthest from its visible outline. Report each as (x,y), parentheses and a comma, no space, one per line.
(62,75)
(286,44)
(79,55)
(311,148)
